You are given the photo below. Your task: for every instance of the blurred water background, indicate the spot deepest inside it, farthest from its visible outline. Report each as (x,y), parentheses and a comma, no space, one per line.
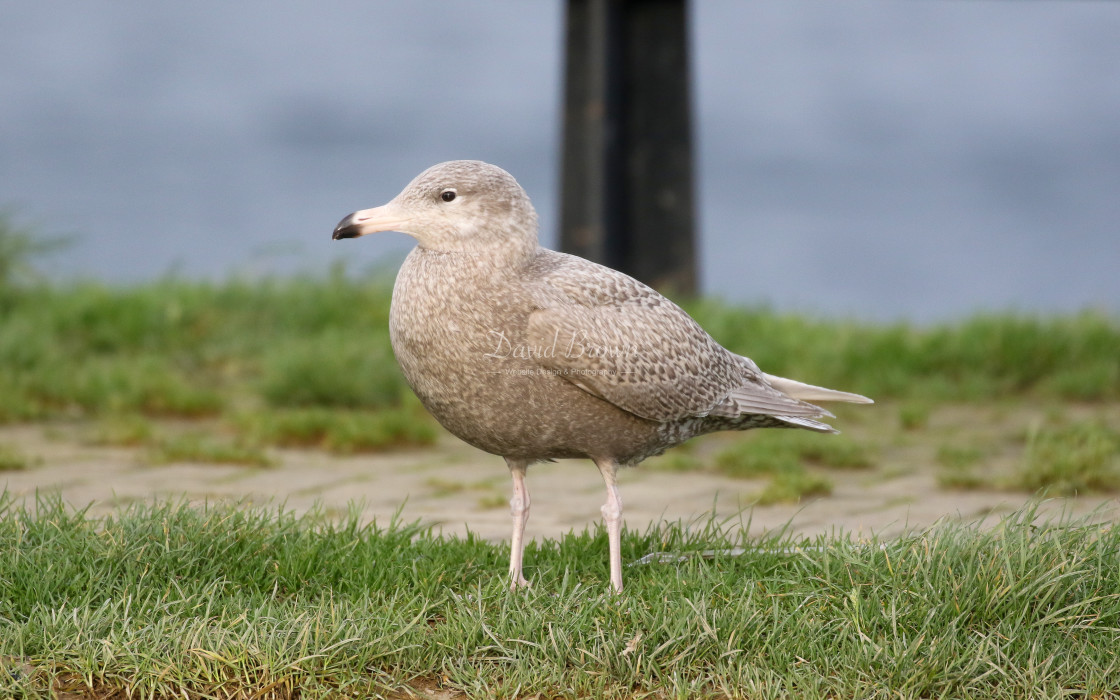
(873,159)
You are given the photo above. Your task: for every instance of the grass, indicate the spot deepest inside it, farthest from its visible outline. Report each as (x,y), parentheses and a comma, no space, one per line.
(307,358)
(306,362)
(243,437)
(783,455)
(195,349)
(775,451)
(204,349)
(747,459)
(913,415)
(954,456)
(1060,457)
(341,431)
(492,500)
(168,601)
(12,459)
(205,448)
(677,459)
(121,430)
(337,368)
(444,487)
(489,499)
(1081,457)
(794,486)
(164,446)
(957,467)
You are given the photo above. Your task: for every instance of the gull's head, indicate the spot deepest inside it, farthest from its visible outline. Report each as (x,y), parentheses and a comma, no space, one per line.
(460,205)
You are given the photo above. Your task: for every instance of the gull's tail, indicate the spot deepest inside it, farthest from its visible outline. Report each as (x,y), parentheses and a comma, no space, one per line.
(808,392)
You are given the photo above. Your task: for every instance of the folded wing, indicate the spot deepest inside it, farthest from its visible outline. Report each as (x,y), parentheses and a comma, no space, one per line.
(624,343)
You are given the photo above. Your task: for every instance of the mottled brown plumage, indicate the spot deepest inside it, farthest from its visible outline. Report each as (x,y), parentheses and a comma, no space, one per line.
(532,354)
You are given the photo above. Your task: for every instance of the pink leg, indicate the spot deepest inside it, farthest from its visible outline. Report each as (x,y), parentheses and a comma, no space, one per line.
(612,516)
(519,509)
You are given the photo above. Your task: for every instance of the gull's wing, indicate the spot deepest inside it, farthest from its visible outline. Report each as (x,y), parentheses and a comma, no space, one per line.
(623,342)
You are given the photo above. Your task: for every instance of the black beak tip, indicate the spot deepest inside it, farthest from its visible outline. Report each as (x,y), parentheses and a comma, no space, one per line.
(345,229)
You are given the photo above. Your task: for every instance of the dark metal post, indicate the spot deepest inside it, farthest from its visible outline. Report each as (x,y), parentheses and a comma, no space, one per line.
(626,195)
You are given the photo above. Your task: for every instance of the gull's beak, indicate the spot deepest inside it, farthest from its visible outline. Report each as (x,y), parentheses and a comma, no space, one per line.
(385,218)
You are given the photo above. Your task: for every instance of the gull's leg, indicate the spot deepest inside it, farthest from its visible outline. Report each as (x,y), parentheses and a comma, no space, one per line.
(612,516)
(519,509)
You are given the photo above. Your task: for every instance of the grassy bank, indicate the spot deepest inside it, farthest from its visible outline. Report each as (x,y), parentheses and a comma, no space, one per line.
(306,362)
(169,601)
(294,362)
(190,349)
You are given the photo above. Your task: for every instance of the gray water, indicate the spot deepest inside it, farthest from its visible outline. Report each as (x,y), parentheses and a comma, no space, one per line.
(881,160)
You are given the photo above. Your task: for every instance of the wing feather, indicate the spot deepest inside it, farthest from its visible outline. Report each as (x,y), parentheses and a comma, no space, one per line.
(623,342)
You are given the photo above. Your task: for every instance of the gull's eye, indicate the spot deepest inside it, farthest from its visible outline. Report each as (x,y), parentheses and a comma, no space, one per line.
(447,195)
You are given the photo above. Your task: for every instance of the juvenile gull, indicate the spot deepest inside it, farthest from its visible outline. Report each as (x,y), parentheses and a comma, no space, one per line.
(536,355)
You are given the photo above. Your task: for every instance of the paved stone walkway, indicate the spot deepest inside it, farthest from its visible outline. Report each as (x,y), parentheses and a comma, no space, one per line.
(457,488)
